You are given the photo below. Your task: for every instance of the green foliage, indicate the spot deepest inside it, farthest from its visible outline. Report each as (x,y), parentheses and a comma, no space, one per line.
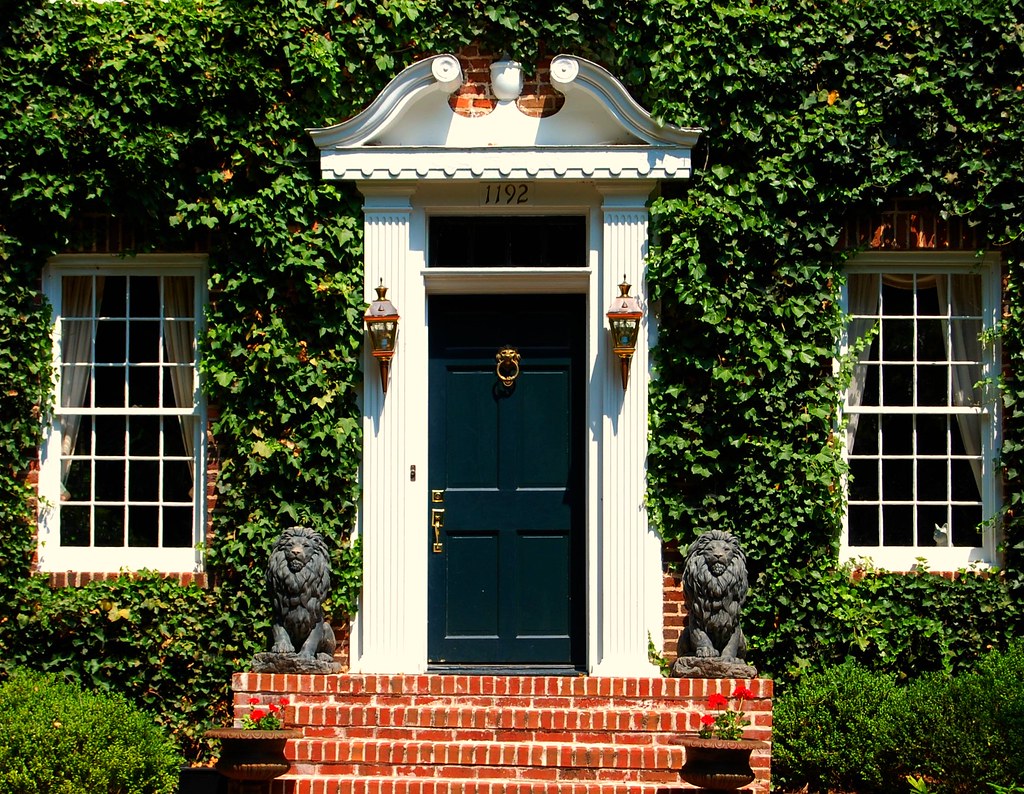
(186,121)
(56,738)
(855,729)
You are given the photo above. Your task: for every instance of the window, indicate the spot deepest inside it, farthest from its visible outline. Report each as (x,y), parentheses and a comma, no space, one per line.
(122,468)
(921,424)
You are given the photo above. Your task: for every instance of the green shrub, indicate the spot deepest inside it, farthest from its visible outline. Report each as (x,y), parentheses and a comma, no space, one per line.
(967,731)
(839,729)
(56,738)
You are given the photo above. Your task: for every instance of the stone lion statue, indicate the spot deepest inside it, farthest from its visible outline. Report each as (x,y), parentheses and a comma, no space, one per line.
(298,581)
(715,585)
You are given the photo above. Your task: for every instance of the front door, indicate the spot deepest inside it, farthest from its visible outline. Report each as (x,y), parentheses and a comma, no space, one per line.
(506,541)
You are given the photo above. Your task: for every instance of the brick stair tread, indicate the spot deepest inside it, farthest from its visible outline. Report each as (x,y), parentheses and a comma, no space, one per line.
(323,752)
(347,784)
(649,718)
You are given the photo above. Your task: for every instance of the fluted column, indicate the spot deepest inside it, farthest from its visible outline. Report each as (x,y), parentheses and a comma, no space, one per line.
(628,566)
(387,631)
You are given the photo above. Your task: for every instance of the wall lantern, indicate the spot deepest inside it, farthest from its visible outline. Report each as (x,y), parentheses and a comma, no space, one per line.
(624,317)
(382,323)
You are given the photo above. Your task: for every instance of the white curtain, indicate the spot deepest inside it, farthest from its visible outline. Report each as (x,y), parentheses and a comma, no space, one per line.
(863,297)
(179,338)
(963,344)
(78,312)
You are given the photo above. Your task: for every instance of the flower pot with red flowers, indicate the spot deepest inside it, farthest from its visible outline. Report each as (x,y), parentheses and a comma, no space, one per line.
(718,757)
(255,751)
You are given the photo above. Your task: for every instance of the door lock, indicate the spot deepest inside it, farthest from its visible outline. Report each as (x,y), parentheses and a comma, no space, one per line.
(436,522)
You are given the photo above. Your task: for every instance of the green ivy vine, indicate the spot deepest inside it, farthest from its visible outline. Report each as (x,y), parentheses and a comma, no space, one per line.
(185,121)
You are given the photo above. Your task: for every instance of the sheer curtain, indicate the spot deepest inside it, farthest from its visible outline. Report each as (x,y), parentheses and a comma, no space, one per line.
(863,299)
(78,313)
(963,343)
(179,337)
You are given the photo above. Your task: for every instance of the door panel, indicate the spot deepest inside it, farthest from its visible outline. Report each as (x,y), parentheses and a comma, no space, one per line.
(506,581)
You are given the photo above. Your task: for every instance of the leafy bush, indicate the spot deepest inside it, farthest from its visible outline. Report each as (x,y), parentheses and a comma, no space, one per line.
(56,738)
(840,728)
(856,729)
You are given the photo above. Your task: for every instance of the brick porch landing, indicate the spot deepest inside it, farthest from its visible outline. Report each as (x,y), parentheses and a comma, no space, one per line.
(493,734)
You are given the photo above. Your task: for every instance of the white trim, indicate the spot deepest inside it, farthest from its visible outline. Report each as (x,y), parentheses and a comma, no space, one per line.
(986,265)
(51,556)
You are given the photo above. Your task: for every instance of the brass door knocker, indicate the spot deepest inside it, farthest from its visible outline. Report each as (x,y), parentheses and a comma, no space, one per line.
(508,365)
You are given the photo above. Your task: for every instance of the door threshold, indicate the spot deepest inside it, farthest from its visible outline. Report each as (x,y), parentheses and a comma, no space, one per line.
(506,669)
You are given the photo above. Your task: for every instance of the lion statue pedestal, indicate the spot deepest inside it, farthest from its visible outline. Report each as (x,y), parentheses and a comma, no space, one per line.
(298,582)
(715,585)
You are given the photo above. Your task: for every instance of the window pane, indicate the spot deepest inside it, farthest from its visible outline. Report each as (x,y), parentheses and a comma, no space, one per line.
(112,304)
(76,296)
(81,427)
(966,529)
(898,340)
(931,526)
(144,341)
(78,485)
(965,485)
(143,529)
(144,296)
(110,480)
(174,446)
(872,378)
(863,479)
(897,384)
(111,336)
(178,387)
(178,527)
(74,526)
(931,480)
(109,527)
(897,434)
(144,435)
(931,340)
(897,301)
(110,432)
(898,525)
(932,381)
(898,480)
(143,481)
(177,481)
(862,434)
(143,386)
(931,434)
(863,529)
(110,387)
(928,301)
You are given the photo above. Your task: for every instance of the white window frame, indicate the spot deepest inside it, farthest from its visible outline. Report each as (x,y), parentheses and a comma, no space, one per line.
(939,558)
(52,557)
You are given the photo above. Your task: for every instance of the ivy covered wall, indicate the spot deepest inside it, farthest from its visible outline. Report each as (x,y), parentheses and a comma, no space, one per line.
(185,120)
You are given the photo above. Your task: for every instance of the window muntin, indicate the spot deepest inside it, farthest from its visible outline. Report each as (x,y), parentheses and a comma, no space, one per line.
(920,427)
(119,470)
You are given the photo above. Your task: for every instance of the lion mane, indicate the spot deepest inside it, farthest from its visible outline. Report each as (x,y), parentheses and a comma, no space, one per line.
(715,585)
(298,581)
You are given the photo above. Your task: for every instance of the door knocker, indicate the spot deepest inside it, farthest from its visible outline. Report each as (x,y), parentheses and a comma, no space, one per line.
(508,365)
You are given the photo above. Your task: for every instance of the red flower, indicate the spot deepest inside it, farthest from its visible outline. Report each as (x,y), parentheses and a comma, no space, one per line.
(742,692)
(283,701)
(274,708)
(717,701)
(253,701)
(258,714)
(707,720)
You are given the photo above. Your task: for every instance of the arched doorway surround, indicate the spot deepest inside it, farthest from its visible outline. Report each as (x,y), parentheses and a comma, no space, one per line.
(599,157)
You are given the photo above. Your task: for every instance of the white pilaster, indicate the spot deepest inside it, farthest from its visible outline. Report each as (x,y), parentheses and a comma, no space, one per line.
(628,568)
(389,633)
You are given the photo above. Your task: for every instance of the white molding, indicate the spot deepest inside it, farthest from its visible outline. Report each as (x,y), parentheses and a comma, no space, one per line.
(411,132)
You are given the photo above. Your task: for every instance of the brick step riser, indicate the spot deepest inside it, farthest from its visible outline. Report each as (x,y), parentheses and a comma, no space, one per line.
(300,785)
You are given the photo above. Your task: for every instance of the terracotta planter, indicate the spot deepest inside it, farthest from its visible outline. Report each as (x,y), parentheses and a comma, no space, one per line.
(718,764)
(252,755)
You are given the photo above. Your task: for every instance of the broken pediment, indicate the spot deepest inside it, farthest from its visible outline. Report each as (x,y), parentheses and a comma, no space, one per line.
(410,131)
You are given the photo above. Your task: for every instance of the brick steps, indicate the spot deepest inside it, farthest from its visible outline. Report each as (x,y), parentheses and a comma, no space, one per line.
(490,734)
(298,784)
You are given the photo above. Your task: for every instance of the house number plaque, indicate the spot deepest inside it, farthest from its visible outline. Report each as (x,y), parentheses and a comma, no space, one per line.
(506,193)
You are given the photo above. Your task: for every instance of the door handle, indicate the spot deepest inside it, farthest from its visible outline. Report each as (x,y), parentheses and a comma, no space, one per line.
(436,522)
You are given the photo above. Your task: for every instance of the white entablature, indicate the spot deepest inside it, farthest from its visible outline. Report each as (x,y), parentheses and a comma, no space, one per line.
(411,132)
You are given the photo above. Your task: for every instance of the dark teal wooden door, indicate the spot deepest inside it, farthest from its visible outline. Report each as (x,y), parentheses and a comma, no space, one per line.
(506,576)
